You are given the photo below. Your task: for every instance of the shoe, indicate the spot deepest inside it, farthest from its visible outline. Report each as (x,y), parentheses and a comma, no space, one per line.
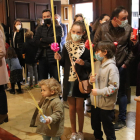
(36,86)
(19,91)
(3,118)
(29,87)
(8,89)
(120,124)
(89,111)
(73,136)
(11,91)
(80,136)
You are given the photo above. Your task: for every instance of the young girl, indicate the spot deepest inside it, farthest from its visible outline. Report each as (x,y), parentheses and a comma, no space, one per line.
(52,109)
(15,70)
(75,52)
(107,84)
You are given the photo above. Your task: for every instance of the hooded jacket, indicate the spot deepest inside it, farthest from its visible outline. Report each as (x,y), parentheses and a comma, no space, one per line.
(107,84)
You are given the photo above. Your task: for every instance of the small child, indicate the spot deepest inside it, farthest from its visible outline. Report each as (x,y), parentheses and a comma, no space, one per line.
(52,109)
(30,50)
(107,84)
(15,70)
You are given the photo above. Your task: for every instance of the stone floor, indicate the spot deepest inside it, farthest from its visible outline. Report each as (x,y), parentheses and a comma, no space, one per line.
(21,108)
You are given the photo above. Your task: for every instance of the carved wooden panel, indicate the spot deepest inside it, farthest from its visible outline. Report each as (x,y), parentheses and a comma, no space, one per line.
(3,14)
(22,10)
(39,7)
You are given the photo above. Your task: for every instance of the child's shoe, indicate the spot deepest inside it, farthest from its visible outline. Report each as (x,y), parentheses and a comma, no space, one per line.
(29,87)
(80,136)
(73,136)
(36,86)
(19,91)
(11,91)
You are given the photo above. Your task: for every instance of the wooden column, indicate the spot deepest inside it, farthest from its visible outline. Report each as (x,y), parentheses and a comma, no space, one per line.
(137,129)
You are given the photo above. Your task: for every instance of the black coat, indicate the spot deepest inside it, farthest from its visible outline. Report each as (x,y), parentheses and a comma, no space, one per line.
(82,71)
(30,50)
(43,38)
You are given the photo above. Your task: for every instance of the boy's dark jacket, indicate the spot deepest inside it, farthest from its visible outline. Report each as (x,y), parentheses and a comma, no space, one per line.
(30,50)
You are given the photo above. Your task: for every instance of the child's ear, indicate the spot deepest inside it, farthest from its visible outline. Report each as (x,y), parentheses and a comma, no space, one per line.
(105,52)
(52,92)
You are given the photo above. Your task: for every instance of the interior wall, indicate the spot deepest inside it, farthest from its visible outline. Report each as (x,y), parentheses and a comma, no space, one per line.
(30,10)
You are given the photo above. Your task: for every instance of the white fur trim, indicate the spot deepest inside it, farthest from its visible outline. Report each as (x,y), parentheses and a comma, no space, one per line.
(50,118)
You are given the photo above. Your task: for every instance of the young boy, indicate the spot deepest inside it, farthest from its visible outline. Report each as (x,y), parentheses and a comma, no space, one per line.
(52,109)
(30,50)
(106,79)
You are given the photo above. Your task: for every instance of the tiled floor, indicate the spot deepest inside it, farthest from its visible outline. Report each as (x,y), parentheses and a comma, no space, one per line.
(21,109)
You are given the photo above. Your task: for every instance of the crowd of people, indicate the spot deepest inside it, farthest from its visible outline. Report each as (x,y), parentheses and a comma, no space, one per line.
(111,62)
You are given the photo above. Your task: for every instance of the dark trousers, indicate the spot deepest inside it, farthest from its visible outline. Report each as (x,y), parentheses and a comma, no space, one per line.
(46,68)
(122,98)
(13,86)
(3,101)
(105,116)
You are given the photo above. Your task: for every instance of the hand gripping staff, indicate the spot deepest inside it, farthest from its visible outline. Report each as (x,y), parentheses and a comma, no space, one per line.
(91,55)
(39,109)
(54,46)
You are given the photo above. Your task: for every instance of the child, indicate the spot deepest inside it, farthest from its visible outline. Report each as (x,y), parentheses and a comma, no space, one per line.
(75,52)
(52,109)
(30,50)
(15,70)
(107,84)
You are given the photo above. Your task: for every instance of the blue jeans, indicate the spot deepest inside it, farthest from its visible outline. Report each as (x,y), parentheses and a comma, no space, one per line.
(46,68)
(49,138)
(32,69)
(122,98)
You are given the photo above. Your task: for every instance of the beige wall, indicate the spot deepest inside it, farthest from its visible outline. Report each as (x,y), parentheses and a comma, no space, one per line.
(64,1)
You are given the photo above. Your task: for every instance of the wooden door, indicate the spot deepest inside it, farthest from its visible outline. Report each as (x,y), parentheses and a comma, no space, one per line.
(3,16)
(67,16)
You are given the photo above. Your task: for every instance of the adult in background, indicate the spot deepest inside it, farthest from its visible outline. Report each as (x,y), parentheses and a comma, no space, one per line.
(18,37)
(3,79)
(118,30)
(102,19)
(63,39)
(44,37)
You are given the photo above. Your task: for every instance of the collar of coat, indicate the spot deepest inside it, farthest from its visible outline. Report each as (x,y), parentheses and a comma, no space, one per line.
(52,97)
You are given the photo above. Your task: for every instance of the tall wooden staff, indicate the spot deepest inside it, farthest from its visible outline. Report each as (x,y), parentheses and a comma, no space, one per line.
(54,32)
(91,55)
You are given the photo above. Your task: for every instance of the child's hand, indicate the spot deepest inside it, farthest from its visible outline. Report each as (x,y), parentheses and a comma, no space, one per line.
(57,56)
(80,62)
(92,78)
(94,92)
(47,121)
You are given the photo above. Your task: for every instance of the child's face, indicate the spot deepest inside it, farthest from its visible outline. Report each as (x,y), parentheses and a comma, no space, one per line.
(102,54)
(77,30)
(46,91)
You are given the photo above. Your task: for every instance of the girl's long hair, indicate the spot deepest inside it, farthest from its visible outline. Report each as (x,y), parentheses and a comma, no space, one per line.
(11,53)
(82,25)
(1,29)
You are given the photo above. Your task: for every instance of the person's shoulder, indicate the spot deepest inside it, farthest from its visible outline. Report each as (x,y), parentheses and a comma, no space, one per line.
(105,26)
(56,102)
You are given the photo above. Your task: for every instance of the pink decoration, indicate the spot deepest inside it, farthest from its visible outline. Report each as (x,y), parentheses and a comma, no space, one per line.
(87,44)
(116,44)
(55,47)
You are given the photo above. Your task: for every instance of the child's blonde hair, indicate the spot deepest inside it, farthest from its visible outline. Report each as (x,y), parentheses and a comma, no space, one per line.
(29,34)
(52,84)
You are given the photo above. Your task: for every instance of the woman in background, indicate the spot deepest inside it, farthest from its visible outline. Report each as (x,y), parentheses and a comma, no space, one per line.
(3,79)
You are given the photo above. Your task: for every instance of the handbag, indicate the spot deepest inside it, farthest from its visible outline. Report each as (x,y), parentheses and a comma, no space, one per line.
(84,85)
